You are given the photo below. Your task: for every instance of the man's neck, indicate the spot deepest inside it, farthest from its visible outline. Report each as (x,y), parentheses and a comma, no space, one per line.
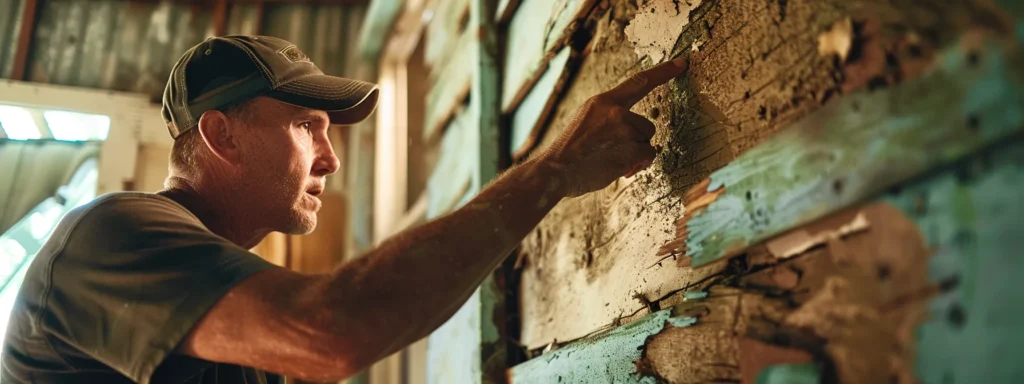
(215,210)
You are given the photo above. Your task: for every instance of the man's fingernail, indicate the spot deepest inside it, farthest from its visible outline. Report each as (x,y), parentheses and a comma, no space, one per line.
(679,62)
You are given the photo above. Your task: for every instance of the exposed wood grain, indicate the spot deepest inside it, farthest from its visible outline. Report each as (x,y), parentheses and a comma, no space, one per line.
(531,116)
(537,32)
(755,68)
(620,228)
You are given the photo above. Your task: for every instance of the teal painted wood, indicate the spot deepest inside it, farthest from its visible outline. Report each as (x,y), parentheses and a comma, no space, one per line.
(605,359)
(973,219)
(971,214)
(468,348)
(452,176)
(376,28)
(861,145)
(451,88)
(789,374)
(532,113)
(537,31)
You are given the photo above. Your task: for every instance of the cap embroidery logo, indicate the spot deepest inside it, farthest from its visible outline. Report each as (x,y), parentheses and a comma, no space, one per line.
(293,54)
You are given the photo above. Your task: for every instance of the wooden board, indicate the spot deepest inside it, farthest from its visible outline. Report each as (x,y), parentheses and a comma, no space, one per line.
(755,68)
(538,31)
(450,90)
(448,19)
(924,291)
(530,117)
(859,146)
(451,178)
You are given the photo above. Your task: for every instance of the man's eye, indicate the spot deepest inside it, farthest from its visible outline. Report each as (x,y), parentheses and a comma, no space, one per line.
(307,126)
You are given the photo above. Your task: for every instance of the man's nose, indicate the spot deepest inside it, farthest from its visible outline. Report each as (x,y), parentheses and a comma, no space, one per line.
(326,162)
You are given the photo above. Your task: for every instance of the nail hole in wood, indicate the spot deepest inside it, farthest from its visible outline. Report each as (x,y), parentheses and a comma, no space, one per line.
(655,113)
(884,272)
(837,186)
(957,316)
(973,58)
(973,123)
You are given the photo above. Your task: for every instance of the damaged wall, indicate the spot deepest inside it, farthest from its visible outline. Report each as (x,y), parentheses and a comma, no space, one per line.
(830,176)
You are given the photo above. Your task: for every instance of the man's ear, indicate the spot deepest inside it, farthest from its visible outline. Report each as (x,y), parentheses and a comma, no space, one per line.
(219,136)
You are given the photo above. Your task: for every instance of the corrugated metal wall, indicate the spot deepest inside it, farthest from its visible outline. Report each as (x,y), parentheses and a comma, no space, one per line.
(10,23)
(131,46)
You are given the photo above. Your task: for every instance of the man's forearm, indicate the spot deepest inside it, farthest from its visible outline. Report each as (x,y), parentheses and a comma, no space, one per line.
(415,281)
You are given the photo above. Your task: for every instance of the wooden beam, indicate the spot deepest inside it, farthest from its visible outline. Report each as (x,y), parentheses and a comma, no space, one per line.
(25,34)
(220,17)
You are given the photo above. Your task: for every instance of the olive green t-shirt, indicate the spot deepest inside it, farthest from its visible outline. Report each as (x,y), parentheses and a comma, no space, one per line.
(115,289)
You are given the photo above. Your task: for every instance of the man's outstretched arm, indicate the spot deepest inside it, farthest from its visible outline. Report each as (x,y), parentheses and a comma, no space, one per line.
(332,326)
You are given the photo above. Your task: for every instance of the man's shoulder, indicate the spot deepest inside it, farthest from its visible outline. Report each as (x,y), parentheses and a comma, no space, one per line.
(137,204)
(116,216)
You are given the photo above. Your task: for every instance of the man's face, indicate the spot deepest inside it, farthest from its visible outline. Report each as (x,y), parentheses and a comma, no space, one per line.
(284,164)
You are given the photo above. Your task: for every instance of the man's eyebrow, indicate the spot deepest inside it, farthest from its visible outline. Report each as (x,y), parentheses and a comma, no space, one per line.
(312,116)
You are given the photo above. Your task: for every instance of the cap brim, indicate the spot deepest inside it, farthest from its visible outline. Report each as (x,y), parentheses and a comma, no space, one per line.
(346,101)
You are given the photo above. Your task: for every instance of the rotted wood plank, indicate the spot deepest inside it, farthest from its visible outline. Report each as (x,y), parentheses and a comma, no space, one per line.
(530,117)
(924,291)
(859,146)
(537,32)
(756,68)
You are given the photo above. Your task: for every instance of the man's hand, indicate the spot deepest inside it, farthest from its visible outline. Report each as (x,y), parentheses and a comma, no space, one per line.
(606,141)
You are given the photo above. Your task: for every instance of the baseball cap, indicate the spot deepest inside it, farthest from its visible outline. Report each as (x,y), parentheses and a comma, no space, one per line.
(223,71)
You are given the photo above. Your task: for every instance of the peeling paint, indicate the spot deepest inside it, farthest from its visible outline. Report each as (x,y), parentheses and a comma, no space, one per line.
(680,322)
(859,146)
(694,295)
(837,40)
(657,26)
(604,359)
(799,241)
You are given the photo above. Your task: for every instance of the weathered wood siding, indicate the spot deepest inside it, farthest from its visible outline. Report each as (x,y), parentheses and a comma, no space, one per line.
(803,181)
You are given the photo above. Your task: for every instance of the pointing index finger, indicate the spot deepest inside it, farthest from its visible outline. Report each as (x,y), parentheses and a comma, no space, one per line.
(639,84)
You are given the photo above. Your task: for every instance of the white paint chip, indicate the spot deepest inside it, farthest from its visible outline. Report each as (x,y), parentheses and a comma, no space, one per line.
(837,40)
(799,241)
(657,25)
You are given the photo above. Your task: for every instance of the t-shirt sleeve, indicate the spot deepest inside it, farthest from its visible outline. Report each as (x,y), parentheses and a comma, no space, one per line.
(134,276)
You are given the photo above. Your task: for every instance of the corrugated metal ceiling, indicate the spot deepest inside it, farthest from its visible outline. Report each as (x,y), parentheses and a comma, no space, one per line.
(131,46)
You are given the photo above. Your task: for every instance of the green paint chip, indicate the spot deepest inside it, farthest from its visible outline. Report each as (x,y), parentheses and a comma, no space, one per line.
(789,374)
(695,295)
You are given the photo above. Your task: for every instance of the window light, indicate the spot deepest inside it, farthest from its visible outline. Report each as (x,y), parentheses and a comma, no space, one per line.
(74,126)
(17,123)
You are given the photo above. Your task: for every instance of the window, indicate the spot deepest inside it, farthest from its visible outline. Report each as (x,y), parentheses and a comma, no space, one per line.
(21,123)
(19,245)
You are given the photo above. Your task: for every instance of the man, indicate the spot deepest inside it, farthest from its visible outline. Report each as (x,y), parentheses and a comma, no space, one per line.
(160,288)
